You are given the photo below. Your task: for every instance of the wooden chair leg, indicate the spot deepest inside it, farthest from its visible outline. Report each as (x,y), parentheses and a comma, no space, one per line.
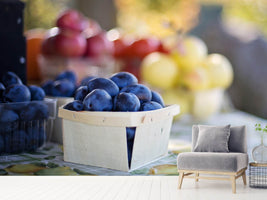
(233,184)
(196,177)
(181,177)
(244,178)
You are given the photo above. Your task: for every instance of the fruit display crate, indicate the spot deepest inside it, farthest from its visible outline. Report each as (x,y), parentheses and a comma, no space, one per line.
(99,138)
(25,126)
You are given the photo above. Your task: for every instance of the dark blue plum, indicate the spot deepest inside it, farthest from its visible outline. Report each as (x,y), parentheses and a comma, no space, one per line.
(123,79)
(37,93)
(47,87)
(33,111)
(8,116)
(130,151)
(10,78)
(69,75)
(2,144)
(17,93)
(98,100)
(76,105)
(86,80)
(81,92)
(105,84)
(42,110)
(151,105)
(126,102)
(28,113)
(2,89)
(130,133)
(157,98)
(63,88)
(141,91)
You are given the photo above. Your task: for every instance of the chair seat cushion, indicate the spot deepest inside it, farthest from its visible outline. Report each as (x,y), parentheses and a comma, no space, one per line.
(206,161)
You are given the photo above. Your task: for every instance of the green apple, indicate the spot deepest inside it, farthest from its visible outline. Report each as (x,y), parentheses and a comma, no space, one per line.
(159,70)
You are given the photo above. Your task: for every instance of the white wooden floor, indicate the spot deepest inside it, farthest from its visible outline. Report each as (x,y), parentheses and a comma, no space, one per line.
(122,188)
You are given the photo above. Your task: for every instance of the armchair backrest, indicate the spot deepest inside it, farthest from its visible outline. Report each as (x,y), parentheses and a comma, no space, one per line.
(237,140)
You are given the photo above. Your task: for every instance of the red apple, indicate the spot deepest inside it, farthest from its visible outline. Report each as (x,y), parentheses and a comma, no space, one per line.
(121,47)
(142,47)
(48,46)
(98,45)
(69,44)
(93,28)
(72,20)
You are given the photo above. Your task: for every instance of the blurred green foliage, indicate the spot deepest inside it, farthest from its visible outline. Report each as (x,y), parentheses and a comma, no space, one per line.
(42,13)
(253,11)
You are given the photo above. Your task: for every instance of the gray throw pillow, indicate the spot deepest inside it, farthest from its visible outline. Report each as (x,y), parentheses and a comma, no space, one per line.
(212,139)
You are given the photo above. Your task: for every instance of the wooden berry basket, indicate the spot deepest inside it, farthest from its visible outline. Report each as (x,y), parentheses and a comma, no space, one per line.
(99,138)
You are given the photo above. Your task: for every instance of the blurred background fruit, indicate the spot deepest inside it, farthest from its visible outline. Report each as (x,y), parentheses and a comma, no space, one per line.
(34,40)
(199,36)
(159,71)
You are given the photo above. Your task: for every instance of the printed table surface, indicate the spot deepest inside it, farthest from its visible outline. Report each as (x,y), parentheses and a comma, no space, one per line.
(49,159)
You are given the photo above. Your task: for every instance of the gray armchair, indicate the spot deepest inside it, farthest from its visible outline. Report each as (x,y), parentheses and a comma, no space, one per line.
(232,164)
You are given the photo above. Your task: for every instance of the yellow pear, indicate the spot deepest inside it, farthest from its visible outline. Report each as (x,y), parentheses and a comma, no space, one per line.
(159,70)
(219,70)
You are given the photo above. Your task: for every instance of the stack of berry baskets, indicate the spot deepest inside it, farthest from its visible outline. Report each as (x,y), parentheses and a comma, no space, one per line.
(25,126)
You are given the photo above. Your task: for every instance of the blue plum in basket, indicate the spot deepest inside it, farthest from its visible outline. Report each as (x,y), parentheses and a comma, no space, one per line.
(47,87)
(10,78)
(63,88)
(8,120)
(81,92)
(69,75)
(130,133)
(105,84)
(98,100)
(157,98)
(126,102)
(151,105)
(76,105)
(42,110)
(34,111)
(141,91)
(123,79)
(37,93)
(130,150)
(17,93)
(86,80)
(27,113)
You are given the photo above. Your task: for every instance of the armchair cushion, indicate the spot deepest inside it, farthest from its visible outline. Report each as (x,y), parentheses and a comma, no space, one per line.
(212,139)
(223,162)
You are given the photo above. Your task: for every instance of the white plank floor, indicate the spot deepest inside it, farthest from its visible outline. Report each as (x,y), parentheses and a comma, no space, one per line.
(122,188)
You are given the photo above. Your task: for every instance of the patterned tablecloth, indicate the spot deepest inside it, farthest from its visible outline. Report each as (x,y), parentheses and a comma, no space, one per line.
(49,159)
